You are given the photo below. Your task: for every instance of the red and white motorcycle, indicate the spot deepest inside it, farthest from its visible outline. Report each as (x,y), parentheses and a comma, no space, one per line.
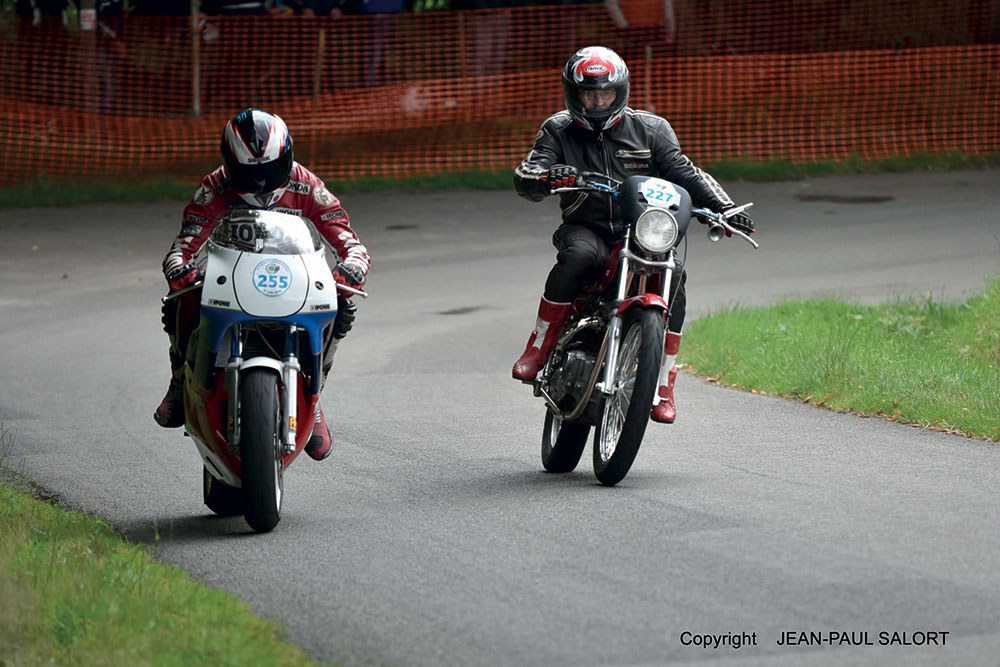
(604,368)
(254,363)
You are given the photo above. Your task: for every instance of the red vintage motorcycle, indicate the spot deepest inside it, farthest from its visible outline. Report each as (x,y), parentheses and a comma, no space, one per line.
(604,368)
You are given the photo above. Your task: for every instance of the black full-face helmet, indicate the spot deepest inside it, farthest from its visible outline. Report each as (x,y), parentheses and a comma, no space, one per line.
(257,156)
(596,68)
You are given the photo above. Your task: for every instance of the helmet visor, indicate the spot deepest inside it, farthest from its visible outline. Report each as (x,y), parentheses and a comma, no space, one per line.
(259,178)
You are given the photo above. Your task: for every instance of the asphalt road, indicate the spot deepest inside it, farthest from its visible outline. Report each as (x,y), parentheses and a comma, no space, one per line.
(432,536)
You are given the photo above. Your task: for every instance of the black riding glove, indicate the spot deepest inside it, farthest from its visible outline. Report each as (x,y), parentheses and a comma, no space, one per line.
(742,222)
(352,276)
(561,176)
(181,277)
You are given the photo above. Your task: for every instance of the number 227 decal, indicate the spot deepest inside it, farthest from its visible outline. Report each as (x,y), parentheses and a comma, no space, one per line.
(658,192)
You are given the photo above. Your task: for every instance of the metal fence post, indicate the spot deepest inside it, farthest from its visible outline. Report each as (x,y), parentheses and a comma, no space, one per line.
(320,56)
(88,34)
(195,58)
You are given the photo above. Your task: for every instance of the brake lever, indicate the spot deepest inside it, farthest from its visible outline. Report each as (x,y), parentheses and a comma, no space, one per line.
(743,235)
(351,290)
(189,288)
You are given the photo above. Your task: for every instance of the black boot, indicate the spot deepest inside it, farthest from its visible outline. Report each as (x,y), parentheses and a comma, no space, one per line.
(170,413)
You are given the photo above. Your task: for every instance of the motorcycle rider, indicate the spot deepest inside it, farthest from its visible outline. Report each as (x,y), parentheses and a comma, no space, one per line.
(599,132)
(258,171)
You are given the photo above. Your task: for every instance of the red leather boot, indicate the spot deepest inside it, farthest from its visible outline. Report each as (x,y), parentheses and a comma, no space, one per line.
(550,319)
(321,443)
(666,411)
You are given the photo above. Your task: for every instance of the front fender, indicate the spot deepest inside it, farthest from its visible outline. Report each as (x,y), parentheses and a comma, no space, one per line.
(642,301)
(265,362)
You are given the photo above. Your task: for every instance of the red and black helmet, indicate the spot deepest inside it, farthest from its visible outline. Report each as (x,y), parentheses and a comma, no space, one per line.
(257,156)
(596,68)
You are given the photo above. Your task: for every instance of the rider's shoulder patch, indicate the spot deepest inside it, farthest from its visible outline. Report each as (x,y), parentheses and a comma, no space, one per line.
(203,195)
(322,196)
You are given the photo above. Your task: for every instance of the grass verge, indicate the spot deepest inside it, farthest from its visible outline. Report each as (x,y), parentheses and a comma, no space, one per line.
(76,593)
(47,192)
(915,361)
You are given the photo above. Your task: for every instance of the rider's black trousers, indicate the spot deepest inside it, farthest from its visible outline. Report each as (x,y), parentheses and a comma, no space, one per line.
(582,255)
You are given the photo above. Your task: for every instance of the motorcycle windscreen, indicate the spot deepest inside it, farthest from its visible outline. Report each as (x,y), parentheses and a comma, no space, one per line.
(270,287)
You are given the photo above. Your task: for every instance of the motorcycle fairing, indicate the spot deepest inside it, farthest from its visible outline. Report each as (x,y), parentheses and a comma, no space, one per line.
(230,294)
(215,322)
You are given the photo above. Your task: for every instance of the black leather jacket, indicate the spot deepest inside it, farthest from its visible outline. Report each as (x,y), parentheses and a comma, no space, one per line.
(640,143)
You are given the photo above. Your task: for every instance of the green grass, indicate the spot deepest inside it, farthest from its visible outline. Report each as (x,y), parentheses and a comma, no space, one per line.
(914,361)
(48,192)
(75,593)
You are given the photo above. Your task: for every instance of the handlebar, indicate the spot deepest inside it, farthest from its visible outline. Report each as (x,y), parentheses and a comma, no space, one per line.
(718,225)
(592,181)
(363,294)
(189,288)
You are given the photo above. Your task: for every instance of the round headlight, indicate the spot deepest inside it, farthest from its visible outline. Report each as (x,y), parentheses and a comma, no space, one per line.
(656,230)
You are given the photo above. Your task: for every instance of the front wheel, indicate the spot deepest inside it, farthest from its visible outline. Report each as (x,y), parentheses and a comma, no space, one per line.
(563,443)
(260,448)
(626,411)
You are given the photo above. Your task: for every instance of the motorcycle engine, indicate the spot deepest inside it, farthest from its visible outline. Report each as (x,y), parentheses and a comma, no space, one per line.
(570,378)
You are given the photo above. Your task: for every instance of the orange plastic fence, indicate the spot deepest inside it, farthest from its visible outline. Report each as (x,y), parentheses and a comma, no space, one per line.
(432,92)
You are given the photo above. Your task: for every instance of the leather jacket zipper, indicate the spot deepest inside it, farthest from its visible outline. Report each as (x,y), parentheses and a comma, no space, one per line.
(607,170)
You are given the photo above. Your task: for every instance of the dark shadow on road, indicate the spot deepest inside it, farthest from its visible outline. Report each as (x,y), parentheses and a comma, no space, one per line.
(185,529)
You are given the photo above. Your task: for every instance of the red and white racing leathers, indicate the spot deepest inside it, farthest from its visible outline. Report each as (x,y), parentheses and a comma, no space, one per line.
(306,196)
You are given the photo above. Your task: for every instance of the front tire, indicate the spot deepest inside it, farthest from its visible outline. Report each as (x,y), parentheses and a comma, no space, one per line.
(563,443)
(626,410)
(261,448)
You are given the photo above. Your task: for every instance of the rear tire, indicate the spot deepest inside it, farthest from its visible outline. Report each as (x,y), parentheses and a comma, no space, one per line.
(221,498)
(626,411)
(261,448)
(563,443)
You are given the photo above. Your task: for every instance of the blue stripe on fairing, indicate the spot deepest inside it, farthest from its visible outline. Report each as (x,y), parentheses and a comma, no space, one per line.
(216,321)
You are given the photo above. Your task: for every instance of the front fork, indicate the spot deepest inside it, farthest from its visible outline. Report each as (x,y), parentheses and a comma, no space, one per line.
(614,334)
(288,368)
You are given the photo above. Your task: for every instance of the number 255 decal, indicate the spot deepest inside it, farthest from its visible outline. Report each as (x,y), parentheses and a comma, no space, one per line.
(272,281)
(272,277)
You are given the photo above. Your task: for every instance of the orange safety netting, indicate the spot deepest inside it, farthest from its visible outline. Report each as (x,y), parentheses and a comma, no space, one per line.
(432,92)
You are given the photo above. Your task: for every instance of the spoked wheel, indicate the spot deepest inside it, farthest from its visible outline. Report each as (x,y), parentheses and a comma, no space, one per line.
(563,443)
(221,498)
(626,410)
(260,448)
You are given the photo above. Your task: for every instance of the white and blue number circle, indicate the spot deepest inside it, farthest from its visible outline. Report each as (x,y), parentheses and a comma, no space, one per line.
(272,277)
